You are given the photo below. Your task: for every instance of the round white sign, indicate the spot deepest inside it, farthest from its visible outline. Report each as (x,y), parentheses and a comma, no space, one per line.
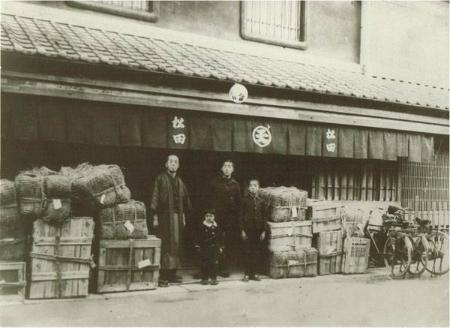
(238,93)
(262,136)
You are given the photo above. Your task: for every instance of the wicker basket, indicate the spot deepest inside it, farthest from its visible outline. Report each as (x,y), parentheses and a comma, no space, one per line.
(30,191)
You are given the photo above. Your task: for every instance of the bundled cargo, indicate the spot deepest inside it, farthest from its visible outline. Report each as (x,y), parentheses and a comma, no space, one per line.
(61,258)
(326,216)
(356,255)
(101,186)
(284,203)
(44,194)
(293,264)
(284,236)
(126,265)
(355,218)
(330,248)
(123,221)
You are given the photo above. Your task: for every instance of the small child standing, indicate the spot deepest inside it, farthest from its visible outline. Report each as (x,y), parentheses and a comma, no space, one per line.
(210,246)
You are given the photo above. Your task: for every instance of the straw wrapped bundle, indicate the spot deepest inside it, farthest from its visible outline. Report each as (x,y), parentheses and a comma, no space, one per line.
(102,186)
(123,221)
(30,192)
(285,203)
(7,192)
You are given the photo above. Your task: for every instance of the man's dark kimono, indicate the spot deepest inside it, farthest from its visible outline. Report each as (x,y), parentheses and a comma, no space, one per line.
(170,201)
(226,200)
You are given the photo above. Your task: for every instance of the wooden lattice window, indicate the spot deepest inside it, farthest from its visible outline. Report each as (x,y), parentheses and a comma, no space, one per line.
(280,22)
(139,9)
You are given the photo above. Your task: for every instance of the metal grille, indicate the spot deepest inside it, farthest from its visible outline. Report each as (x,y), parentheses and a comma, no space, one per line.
(425,189)
(355,181)
(138,5)
(274,20)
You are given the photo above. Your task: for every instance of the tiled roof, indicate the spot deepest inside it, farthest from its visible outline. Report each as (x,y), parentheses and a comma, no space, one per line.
(53,39)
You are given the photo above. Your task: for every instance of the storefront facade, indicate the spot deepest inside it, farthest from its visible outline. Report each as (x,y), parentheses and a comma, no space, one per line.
(72,94)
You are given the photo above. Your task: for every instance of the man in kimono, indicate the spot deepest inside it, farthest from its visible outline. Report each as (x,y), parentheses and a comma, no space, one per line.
(169,204)
(225,198)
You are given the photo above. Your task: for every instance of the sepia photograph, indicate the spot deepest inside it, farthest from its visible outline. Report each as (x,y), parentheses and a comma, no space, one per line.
(250,163)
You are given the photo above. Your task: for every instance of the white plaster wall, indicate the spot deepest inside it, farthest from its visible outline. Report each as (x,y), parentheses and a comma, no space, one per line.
(407,40)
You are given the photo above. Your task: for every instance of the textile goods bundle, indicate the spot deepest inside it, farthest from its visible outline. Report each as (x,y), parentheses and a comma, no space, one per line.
(356,217)
(44,194)
(292,264)
(10,222)
(285,203)
(123,221)
(102,186)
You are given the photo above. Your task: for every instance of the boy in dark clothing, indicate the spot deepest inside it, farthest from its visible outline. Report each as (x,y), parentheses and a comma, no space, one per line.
(252,229)
(210,246)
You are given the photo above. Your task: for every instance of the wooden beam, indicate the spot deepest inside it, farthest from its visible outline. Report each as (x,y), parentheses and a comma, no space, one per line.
(20,83)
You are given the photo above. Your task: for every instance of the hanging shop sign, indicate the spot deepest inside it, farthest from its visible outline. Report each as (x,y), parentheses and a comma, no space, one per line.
(330,142)
(178,131)
(262,136)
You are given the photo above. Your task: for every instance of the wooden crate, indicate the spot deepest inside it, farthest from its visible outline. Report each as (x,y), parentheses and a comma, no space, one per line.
(61,258)
(293,264)
(12,280)
(120,264)
(326,216)
(356,255)
(291,235)
(330,248)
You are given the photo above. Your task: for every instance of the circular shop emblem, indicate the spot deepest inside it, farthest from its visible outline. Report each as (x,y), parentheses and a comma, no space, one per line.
(262,136)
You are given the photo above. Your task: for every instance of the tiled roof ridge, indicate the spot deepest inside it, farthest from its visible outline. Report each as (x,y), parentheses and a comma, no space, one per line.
(96,45)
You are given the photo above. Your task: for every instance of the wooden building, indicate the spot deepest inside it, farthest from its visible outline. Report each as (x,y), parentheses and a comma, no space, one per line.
(84,81)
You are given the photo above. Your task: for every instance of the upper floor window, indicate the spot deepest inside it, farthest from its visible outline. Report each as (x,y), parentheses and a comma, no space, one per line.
(281,22)
(139,9)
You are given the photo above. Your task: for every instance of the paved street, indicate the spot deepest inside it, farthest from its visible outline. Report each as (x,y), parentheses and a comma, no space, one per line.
(359,300)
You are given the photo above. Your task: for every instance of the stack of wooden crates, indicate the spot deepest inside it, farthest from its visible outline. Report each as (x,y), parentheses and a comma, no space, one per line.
(128,258)
(12,245)
(289,234)
(339,251)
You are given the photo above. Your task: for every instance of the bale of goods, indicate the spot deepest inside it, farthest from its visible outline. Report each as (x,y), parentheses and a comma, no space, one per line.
(102,186)
(356,255)
(61,258)
(330,248)
(326,216)
(284,203)
(123,221)
(126,265)
(30,191)
(293,264)
(355,218)
(12,280)
(44,194)
(284,236)
(11,225)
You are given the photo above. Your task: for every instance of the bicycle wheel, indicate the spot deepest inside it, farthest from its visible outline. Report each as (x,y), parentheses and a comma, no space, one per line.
(397,254)
(438,258)
(420,254)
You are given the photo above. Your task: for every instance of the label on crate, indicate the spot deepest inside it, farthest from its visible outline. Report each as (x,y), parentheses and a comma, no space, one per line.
(102,199)
(129,226)
(294,212)
(57,204)
(144,263)
(292,262)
